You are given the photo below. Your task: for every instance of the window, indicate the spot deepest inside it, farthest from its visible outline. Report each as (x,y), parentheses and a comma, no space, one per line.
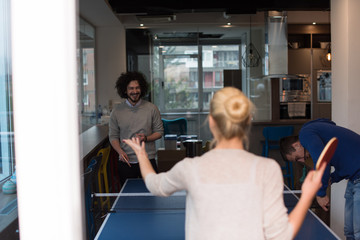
(187,65)
(86,75)
(177,74)
(7,159)
(179,77)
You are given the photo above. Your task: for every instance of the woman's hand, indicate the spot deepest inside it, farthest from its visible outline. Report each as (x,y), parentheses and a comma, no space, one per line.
(137,146)
(309,188)
(139,149)
(312,182)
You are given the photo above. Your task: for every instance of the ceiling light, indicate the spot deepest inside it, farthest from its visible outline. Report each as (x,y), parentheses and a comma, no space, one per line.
(251,57)
(314,23)
(156,18)
(328,56)
(327,51)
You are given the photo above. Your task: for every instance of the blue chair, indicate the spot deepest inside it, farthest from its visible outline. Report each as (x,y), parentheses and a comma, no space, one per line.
(272,138)
(176,126)
(89,185)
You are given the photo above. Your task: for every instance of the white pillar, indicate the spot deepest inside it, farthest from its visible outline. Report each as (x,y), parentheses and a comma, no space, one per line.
(46,120)
(345,38)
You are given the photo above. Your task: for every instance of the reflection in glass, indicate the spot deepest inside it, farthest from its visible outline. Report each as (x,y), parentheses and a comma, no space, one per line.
(260,95)
(7,161)
(176,78)
(324,86)
(217,58)
(180,77)
(86,76)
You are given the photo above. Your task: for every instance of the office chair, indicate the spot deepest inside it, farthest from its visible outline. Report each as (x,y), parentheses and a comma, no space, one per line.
(114,173)
(89,185)
(272,141)
(176,126)
(103,177)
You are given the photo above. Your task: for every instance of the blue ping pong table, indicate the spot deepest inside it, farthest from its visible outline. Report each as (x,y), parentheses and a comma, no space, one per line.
(137,215)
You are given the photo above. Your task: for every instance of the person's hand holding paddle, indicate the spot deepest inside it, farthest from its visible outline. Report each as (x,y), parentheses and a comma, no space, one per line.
(124,158)
(312,182)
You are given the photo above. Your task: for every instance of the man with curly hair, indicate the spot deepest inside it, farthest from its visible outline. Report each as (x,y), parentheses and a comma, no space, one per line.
(135,117)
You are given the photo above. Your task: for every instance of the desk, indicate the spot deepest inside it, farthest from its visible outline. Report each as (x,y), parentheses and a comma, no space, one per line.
(138,215)
(91,141)
(168,158)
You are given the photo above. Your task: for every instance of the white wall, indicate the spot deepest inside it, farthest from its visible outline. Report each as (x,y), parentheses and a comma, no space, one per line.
(346,85)
(110,47)
(110,61)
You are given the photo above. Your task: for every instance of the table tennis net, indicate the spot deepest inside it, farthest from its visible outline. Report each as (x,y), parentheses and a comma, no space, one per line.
(291,198)
(147,201)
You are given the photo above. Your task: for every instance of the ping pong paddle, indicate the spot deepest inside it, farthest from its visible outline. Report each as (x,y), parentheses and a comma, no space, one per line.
(327,153)
(125,160)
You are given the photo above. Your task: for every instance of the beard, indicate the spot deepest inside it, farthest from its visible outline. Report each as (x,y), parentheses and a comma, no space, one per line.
(134,98)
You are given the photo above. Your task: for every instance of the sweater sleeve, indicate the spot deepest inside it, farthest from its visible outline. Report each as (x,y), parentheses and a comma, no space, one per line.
(157,124)
(166,183)
(114,130)
(276,223)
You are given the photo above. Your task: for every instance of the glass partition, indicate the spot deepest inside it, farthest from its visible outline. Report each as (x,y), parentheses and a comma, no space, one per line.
(186,64)
(188,70)
(8,193)
(7,160)
(180,70)
(260,95)
(86,76)
(216,59)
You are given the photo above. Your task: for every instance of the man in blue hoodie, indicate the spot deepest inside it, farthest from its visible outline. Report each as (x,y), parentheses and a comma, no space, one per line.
(312,139)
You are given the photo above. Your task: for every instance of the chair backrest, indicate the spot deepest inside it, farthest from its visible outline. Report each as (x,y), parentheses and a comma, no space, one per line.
(105,152)
(278,132)
(88,180)
(95,163)
(175,126)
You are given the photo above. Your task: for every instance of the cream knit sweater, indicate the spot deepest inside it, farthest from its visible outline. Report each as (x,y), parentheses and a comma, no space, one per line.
(231,194)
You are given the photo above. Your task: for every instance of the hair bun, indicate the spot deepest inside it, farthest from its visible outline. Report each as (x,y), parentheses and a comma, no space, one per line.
(237,108)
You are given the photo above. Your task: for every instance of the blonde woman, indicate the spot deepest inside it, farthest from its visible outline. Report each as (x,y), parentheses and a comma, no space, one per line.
(231,193)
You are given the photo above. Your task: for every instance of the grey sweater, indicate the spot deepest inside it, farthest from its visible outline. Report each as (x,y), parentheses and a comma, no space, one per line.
(126,121)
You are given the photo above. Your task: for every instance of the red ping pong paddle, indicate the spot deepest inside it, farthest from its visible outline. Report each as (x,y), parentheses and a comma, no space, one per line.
(327,152)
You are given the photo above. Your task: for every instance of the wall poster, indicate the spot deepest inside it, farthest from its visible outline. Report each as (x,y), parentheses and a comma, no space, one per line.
(324,85)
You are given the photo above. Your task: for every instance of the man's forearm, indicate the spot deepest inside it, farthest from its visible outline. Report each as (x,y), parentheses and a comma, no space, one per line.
(116,145)
(153,137)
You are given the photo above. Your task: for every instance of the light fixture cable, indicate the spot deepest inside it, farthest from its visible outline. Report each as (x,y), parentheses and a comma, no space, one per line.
(251,57)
